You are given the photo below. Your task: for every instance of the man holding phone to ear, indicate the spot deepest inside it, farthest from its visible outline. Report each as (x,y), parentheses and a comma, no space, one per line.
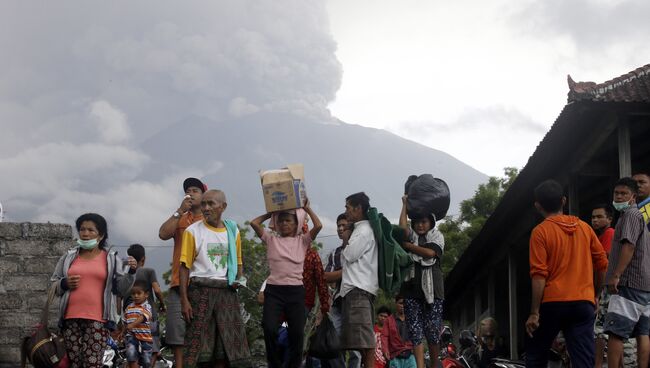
(188,213)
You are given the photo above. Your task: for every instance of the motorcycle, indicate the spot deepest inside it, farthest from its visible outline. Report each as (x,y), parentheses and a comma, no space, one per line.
(470,353)
(449,357)
(113,356)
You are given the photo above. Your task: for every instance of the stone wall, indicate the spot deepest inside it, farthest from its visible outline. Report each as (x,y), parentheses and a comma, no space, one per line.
(28,254)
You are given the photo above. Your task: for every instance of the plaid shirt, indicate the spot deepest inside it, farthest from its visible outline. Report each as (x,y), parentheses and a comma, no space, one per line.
(334,264)
(312,278)
(334,260)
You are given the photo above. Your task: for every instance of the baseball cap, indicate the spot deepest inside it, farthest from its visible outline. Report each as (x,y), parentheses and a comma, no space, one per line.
(194,182)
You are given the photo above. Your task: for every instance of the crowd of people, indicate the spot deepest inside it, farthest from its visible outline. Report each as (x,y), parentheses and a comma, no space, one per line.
(101,293)
(570,262)
(592,283)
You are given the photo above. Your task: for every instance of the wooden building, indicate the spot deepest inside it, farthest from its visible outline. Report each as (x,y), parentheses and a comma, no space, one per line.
(602,134)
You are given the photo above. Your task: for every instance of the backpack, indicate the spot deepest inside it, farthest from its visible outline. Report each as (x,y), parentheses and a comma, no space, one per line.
(43,348)
(394,261)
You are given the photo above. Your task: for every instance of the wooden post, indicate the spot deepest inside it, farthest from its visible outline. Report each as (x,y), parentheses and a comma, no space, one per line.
(478,308)
(463,313)
(624,153)
(512,304)
(574,207)
(491,295)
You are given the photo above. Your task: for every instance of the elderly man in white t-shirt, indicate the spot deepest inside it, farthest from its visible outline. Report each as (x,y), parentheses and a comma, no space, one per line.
(359,282)
(210,273)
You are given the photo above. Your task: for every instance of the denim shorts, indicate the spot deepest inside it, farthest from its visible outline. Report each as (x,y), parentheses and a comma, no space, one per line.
(137,350)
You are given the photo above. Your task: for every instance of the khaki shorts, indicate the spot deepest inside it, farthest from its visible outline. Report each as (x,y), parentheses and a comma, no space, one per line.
(358,320)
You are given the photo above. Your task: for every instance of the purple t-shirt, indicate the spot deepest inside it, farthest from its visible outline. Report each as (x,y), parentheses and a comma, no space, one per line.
(286,257)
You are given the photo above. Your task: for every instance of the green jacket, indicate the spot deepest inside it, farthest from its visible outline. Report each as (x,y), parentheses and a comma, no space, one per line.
(394,261)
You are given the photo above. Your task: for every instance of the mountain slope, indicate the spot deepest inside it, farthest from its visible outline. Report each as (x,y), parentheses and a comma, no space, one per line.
(339,160)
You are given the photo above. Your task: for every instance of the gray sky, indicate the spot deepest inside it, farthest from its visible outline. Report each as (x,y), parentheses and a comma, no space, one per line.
(84,83)
(481,80)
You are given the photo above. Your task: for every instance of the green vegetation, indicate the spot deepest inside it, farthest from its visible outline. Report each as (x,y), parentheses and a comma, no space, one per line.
(460,230)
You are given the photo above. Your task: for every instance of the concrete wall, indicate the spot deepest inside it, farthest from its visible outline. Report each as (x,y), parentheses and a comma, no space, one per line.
(28,255)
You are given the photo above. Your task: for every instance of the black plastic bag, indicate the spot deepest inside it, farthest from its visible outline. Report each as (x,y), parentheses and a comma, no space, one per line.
(324,343)
(427,195)
(408,183)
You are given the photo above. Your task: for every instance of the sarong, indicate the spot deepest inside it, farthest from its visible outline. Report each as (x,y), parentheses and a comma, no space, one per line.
(216,331)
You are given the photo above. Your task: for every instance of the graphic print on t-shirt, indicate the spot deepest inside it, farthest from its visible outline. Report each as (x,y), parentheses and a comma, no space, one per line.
(218,254)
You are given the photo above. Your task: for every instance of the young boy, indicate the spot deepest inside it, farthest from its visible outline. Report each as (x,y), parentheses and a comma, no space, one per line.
(137,319)
(381,357)
(148,275)
(284,291)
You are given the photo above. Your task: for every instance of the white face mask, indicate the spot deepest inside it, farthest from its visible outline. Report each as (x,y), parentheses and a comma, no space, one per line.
(87,244)
(621,206)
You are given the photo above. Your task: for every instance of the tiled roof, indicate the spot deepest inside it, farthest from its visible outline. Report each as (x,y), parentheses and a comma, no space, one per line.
(631,87)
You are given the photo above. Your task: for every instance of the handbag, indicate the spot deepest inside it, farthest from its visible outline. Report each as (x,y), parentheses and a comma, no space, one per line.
(325,342)
(42,348)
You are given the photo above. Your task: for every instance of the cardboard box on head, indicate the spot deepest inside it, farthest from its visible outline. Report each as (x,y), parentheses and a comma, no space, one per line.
(284,189)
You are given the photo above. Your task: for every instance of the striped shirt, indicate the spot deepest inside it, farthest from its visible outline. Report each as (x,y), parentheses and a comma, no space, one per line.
(334,263)
(631,228)
(141,331)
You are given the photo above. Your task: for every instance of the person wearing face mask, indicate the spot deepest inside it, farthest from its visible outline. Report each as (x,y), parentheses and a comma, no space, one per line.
(628,278)
(87,279)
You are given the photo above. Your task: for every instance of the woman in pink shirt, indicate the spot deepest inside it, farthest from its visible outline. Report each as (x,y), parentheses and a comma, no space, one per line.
(284,292)
(87,279)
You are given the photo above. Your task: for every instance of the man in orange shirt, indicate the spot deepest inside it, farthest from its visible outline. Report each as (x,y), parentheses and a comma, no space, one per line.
(564,255)
(601,222)
(188,213)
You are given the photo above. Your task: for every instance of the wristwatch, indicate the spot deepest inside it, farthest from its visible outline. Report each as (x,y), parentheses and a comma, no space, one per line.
(176,214)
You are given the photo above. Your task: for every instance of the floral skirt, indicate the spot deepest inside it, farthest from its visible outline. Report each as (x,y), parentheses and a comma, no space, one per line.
(423,320)
(85,342)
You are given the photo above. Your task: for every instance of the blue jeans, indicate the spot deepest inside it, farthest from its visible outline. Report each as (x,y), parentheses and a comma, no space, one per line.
(576,321)
(137,350)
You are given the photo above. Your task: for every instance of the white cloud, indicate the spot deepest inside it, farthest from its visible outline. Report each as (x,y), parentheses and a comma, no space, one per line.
(240,107)
(110,121)
(433,62)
